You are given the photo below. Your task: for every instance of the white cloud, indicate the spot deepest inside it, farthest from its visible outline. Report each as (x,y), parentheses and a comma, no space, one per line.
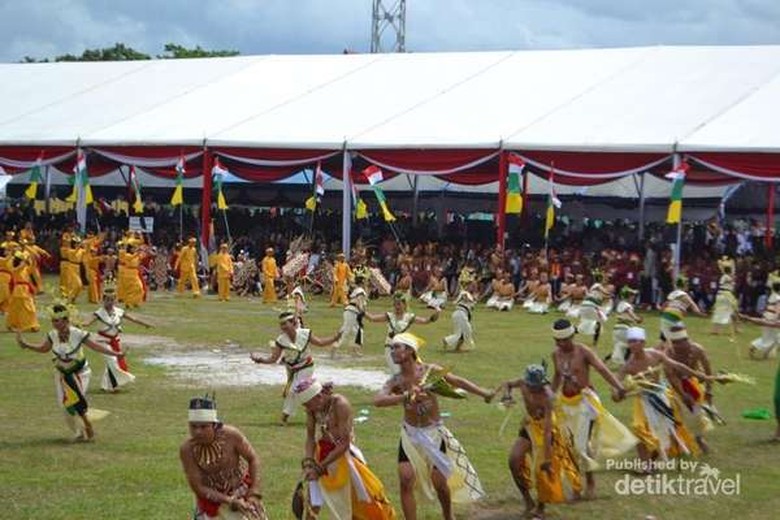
(50,27)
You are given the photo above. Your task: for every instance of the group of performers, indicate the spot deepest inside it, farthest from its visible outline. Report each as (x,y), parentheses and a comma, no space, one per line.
(567,431)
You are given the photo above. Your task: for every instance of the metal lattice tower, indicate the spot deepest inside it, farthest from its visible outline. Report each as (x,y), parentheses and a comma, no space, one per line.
(388,19)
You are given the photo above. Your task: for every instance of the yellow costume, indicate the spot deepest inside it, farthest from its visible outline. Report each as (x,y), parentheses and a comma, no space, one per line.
(695,418)
(92,262)
(72,281)
(130,279)
(563,465)
(658,425)
(224,265)
(5,281)
(341,276)
(21,314)
(270,274)
(35,254)
(187,265)
(595,433)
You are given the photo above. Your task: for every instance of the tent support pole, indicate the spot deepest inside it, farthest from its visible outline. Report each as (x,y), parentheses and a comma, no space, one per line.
(415,199)
(501,210)
(642,206)
(677,252)
(205,203)
(770,215)
(346,206)
(47,190)
(525,195)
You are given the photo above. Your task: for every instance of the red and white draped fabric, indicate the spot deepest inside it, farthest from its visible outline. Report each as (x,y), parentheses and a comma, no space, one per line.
(19,159)
(269,165)
(763,167)
(590,168)
(160,161)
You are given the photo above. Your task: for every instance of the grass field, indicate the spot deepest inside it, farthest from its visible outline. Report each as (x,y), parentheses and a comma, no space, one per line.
(133,471)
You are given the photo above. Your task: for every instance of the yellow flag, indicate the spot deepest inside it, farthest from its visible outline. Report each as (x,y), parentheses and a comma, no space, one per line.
(178,196)
(361,210)
(138,206)
(73,195)
(311,203)
(31,191)
(88,199)
(221,202)
(388,216)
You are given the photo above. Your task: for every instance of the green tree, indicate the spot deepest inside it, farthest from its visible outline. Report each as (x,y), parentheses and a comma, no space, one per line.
(174,51)
(121,52)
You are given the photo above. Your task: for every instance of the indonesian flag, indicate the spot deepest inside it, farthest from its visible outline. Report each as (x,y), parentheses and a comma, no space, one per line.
(374,176)
(178,192)
(514,191)
(319,189)
(218,172)
(553,203)
(35,178)
(138,204)
(677,176)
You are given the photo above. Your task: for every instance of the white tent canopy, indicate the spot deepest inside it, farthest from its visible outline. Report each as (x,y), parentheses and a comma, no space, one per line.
(658,99)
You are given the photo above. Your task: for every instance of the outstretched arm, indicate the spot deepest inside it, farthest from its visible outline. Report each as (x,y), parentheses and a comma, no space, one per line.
(276,353)
(685,369)
(42,347)
(137,320)
(602,369)
(430,319)
(325,342)
(472,388)
(389,395)
(99,347)
(375,318)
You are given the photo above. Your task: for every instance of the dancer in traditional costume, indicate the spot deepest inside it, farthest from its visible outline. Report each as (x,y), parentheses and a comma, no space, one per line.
(503,298)
(73,373)
(117,373)
(678,303)
(341,277)
(541,297)
(134,290)
(36,255)
(21,314)
(691,395)
(335,470)
(224,265)
(656,423)
(221,467)
(6,259)
(592,316)
(435,294)
(463,331)
(72,254)
(399,320)
(352,318)
(296,302)
(726,307)
(766,345)
(430,460)
(625,319)
(270,273)
(595,433)
(775,324)
(542,457)
(577,292)
(292,347)
(91,261)
(564,296)
(187,266)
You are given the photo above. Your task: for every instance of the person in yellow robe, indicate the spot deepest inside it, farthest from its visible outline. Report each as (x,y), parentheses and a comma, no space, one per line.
(187,265)
(130,278)
(224,266)
(341,276)
(21,314)
(92,260)
(121,267)
(73,254)
(36,253)
(64,265)
(270,275)
(5,276)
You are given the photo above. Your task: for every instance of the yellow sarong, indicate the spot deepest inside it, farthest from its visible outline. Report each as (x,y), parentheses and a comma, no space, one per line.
(563,465)
(664,433)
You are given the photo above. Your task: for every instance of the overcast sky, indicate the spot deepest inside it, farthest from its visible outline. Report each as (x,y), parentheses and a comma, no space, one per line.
(45,28)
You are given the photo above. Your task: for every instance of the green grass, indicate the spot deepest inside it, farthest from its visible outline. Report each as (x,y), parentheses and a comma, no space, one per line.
(132,470)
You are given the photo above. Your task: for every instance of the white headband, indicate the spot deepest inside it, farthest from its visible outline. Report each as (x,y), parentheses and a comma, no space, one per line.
(309,393)
(636,334)
(564,333)
(675,335)
(204,416)
(406,339)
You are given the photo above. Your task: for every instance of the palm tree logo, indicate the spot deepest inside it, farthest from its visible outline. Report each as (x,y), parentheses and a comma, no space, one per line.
(707,471)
